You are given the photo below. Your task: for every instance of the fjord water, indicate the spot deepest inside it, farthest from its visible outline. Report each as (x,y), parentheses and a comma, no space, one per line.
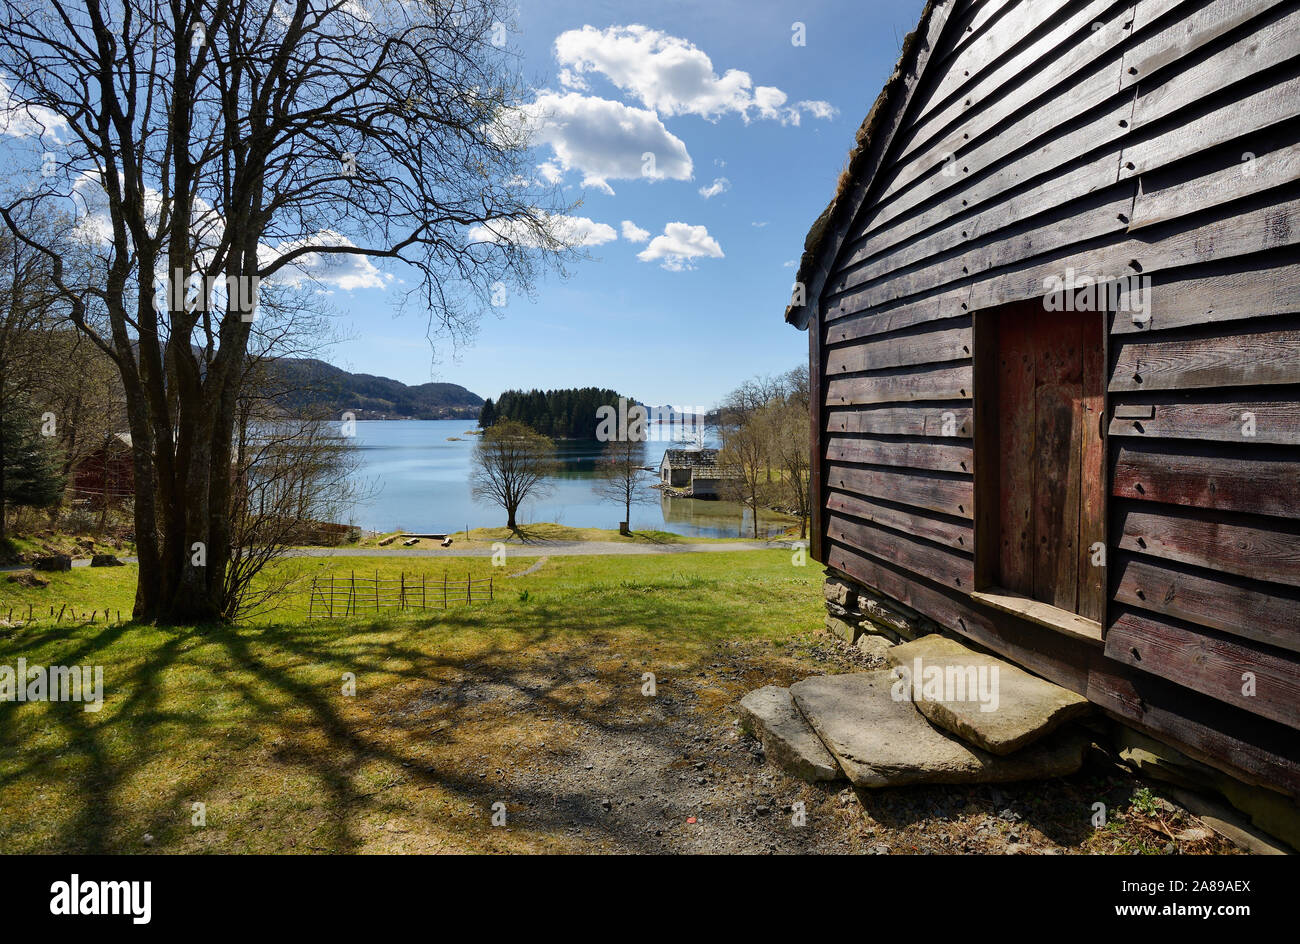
(415,474)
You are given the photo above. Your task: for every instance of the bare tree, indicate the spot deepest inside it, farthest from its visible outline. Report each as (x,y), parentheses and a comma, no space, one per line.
(618,474)
(210,145)
(511,463)
(745,456)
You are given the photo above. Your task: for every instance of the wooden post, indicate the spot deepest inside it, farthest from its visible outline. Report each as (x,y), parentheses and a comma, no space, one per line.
(422,600)
(401,597)
(444,589)
(331,596)
(376,591)
(352,596)
(469,598)
(311,600)
(491,597)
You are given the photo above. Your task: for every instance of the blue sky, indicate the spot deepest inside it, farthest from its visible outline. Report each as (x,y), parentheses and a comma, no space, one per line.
(750,109)
(687,336)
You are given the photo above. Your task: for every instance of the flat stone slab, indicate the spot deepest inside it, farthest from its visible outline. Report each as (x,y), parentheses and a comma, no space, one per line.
(771,716)
(883,741)
(980,698)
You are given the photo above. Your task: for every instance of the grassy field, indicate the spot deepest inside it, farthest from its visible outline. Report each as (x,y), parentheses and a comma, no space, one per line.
(535,701)
(252,720)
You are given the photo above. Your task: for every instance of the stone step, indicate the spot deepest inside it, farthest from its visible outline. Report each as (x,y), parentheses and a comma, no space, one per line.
(880,739)
(771,716)
(992,704)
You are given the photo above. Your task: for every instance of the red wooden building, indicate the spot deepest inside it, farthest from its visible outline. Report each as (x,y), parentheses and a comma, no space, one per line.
(1054,328)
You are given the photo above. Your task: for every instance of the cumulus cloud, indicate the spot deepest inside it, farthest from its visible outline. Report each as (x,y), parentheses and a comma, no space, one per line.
(719,185)
(347,271)
(633,233)
(19,119)
(604,140)
(679,246)
(819,109)
(568,230)
(670,75)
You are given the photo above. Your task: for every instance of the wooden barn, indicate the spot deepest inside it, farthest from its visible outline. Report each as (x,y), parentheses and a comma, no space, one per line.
(1053,315)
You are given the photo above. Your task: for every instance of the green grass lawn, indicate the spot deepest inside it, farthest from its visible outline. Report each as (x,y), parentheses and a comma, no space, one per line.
(252,720)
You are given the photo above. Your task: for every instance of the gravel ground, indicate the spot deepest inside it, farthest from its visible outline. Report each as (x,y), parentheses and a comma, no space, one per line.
(674,773)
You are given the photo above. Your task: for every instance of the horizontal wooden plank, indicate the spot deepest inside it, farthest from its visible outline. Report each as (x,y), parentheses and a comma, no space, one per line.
(1085,76)
(1275,102)
(1241,422)
(957,227)
(1244,175)
(938,420)
(1021,21)
(1096,215)
(1269,42)
(1249,747)
(1257,679)
(950,495)
(953,455)
(1266,613)
(1260,548)
(902,385)
(928,347)
(1253,482)
(952,532)
(1052,655)
(1231,357)
(1179,37)
(944,566)
(1220,291)
(1048,35)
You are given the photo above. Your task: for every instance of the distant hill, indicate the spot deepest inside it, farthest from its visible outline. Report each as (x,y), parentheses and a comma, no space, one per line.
(315,384)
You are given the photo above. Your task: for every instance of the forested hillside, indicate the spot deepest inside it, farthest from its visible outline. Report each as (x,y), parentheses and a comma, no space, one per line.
(315,384)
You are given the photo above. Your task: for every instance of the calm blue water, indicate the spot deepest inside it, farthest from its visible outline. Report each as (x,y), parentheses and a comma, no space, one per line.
(418,479)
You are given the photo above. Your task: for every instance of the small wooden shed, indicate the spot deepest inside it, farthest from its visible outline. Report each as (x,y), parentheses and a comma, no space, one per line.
(1054,333)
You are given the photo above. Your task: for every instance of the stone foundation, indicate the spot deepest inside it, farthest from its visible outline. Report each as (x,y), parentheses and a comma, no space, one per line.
(853,610)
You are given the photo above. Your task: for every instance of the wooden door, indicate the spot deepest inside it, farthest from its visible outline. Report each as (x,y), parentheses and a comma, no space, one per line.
(1049,370)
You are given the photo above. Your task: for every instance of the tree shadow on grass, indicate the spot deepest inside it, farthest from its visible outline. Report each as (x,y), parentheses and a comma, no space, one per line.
(212,716)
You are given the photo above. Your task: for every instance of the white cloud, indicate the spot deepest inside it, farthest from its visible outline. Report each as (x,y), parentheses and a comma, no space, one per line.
(719,185)
(668,74)
(604,140)
(757,224)
(819,109)
(679,245)
(633,233)
(347,271)
(19,119)
(569,230)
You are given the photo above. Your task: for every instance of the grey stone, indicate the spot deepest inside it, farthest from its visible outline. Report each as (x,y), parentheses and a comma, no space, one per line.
(1022,708)
(883,741)
(849,632)
(838,591)
(53,562)
(873,645)
(771,716)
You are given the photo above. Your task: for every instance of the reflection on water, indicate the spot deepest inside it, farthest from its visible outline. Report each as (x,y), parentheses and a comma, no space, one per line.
(716,518)
(418,474)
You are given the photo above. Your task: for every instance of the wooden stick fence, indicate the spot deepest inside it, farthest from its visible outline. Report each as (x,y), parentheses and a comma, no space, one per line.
(64,613)
(340,598)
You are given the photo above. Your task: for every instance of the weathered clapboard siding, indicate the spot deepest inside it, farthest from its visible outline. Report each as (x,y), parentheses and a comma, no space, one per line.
(1153,143)
(1266,613)
(1204,476)
(1256,678)
(1262,548)
(1213,416)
